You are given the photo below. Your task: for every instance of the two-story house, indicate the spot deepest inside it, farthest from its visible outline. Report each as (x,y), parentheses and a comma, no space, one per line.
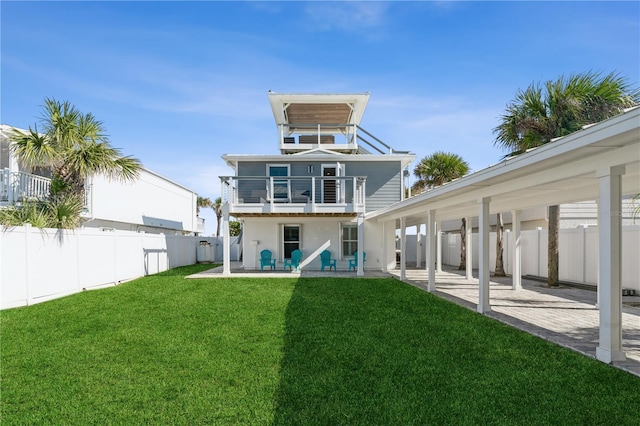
(314,195)
(152,203)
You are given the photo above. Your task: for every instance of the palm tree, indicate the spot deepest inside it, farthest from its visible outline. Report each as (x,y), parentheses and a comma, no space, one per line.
(557,108)
(217,207)
(203,202)
(74,146)
(435,170)
(499,271)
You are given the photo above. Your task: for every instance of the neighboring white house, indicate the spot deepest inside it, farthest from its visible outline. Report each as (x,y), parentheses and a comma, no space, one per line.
(152,203)
(315,194)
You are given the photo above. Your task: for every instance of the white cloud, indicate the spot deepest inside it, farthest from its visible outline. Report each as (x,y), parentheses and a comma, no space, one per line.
(346,16)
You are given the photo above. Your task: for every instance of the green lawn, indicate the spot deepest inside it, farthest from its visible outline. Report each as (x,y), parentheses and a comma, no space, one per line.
(308,351)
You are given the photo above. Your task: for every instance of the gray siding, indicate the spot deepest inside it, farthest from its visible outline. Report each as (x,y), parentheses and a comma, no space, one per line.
(384,184)
(383,187)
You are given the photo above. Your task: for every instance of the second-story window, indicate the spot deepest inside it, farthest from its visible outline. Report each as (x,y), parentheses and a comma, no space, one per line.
(281,187)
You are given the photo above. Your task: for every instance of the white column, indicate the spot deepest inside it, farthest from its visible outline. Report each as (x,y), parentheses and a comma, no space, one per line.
(226,244)
(609,233)
(483,255)
(360,272)
(517,250)
(431,249)
(403,248)
(469,248)
(385,248)
(438,248)
(418,247)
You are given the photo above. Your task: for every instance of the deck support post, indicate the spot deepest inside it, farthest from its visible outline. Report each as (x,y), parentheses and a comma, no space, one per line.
(226,249)
(403,248)
(360,259)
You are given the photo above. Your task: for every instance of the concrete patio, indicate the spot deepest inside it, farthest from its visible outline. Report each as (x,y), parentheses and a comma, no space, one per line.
(566,316)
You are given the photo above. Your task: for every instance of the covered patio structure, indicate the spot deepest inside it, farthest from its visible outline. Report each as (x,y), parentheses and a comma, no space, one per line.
(600,162)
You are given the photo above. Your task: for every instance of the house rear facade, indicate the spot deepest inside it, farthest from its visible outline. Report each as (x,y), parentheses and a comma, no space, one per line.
(314,195)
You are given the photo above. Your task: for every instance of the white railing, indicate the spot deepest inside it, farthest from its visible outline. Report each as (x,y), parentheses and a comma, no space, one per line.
(20,186)
(17,187)
(298,190)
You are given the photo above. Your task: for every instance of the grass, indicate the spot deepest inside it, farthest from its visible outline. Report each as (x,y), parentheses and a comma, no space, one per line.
(316,351)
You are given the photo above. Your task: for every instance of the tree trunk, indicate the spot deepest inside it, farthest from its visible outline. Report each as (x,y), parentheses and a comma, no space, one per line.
(463,245)
(552,266)
(219,217)
(499,272)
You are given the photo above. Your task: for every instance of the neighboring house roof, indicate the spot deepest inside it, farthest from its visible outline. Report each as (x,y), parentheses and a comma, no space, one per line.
(562,171)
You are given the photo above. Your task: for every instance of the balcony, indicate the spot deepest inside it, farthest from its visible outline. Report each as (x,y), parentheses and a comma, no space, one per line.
(18,187)
(340,138)
(257,195)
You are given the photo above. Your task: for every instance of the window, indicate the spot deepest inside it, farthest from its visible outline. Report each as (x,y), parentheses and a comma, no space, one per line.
(349,237)
(290,239)
(281,188)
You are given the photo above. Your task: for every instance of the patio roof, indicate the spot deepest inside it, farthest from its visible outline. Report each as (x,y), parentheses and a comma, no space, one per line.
(565,170)
(303,112)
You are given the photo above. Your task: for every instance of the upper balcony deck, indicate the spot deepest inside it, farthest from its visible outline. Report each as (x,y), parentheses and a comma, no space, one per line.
(259,195)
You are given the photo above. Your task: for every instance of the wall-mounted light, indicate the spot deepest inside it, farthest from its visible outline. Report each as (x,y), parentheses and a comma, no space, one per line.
(309,169)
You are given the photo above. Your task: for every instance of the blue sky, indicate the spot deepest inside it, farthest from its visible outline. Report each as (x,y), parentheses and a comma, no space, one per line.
(178,84)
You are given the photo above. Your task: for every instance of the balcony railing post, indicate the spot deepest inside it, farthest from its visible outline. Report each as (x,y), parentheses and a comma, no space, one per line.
(271,194)
(355,191)
(8,182)
(313,194)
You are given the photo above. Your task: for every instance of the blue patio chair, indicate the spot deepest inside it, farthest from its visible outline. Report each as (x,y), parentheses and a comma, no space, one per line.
(353,263)
(266,260)
(325,258)
(294,262)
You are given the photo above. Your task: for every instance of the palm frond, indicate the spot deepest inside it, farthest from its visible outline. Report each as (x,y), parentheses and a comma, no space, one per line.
(559,107)
(33,213)
(439,168)
(32,148)
(65,211)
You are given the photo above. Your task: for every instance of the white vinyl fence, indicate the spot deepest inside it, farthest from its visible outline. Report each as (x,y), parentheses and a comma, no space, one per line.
(578,253)
(43,264)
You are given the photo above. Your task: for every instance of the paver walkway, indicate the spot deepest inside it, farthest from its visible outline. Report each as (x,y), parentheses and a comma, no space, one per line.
(566,316)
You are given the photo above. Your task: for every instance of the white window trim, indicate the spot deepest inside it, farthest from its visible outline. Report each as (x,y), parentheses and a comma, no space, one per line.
(344,256)
(340,171)
(268,174)
(282,242)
